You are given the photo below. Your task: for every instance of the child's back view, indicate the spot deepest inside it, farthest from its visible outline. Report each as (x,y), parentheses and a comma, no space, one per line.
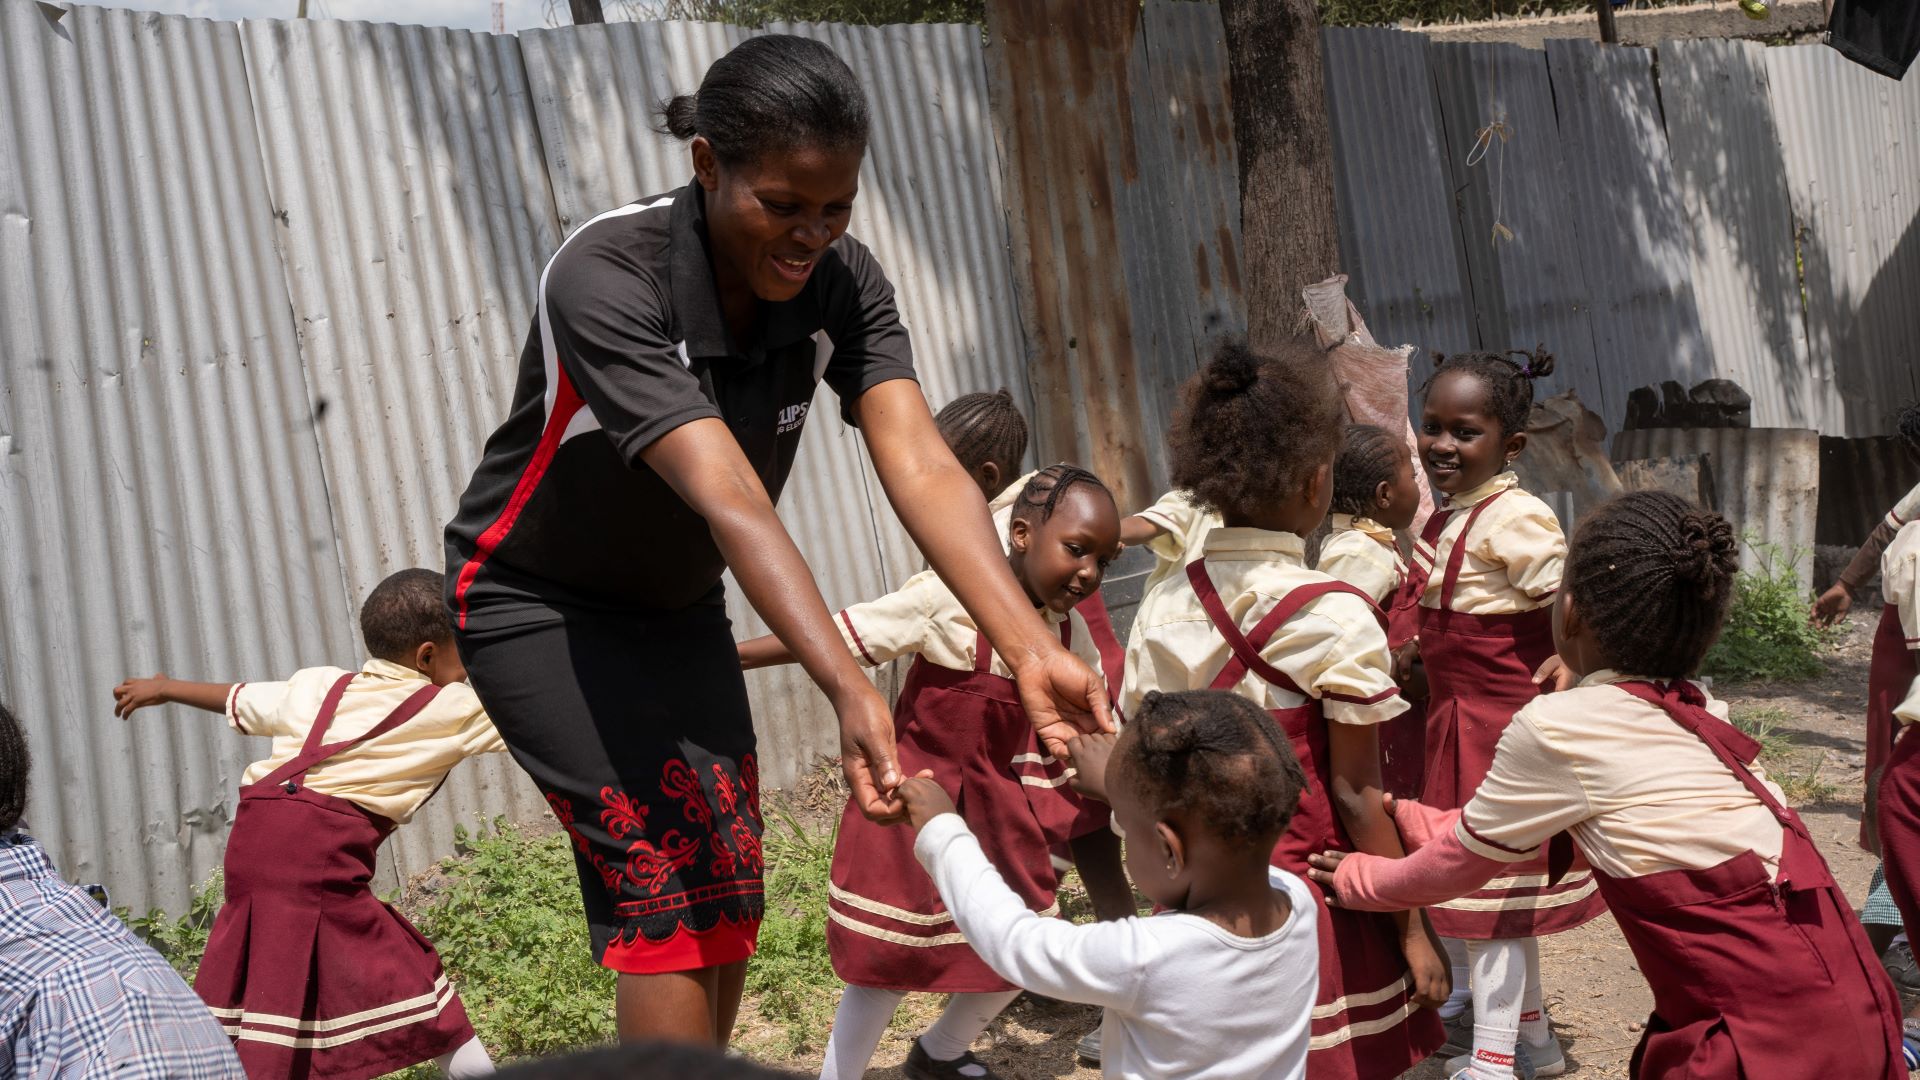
(313,975)
(1222,984)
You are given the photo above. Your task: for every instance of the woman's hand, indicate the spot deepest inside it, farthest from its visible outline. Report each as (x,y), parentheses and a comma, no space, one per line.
(1063,697)
(925,799)
(867,755)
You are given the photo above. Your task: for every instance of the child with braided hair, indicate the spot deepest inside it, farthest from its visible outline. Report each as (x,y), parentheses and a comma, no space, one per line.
(1255,442)
(1374,496)
(959,717)
(1220,984)
(1712,878)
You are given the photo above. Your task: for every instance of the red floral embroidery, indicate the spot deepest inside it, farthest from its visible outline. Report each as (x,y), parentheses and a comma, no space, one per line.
(724,861)
(609,875)
(723,789)
(746,843)
(649,867)
(680,780)
(750,780)
(622,815)
(563,810)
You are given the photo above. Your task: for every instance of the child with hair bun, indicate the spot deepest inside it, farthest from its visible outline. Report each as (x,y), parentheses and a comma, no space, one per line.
(1220,985)
(1757,966)
(1492,557)
(1374,496)
(1255,442)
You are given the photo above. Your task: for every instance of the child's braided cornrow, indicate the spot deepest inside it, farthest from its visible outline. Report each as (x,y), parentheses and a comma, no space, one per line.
(1220,755)
(1509,383)
(1652,574)
(1047,487)
(1368,455)
(985,427)
(15,763)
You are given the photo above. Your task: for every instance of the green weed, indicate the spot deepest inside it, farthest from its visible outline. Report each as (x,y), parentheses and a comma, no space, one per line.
(1778,755)
(1762,722)
(791,977)
(1769,634)
(181,942)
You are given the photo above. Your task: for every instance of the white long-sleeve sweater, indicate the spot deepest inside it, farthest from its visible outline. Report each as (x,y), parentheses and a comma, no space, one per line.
(1185,999)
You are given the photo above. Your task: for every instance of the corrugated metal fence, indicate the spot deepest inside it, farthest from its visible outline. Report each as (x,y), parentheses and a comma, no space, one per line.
(262,287)
(1749,213)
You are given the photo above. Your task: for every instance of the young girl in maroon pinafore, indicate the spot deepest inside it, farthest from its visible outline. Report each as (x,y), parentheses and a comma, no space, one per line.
(959,716)
(1375,496)
(1757,965)
(312,974)
(1485,634)
(1256,441)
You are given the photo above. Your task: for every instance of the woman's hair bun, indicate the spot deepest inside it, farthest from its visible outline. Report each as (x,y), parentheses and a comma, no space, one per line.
(679,116)
(1232,370)
(1708,550)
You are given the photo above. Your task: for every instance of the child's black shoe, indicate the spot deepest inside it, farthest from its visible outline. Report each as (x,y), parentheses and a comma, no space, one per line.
(920,1066)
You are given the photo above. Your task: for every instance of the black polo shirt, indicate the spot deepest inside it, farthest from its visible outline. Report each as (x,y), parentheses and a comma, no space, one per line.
(628,342)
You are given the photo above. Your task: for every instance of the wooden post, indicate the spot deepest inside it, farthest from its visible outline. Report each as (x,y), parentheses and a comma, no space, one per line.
(1609,30)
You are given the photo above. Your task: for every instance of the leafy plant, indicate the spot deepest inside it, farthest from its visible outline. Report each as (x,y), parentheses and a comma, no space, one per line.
(505,917)
(1769,632)
(791,977)
(181,942)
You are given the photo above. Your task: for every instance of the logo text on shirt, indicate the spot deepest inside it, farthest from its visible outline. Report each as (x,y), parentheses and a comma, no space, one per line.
(792,417)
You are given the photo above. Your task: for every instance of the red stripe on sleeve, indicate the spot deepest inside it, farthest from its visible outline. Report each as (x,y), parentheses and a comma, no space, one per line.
(857,643)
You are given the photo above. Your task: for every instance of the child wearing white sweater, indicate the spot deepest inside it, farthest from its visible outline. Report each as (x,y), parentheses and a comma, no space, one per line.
(1220,986)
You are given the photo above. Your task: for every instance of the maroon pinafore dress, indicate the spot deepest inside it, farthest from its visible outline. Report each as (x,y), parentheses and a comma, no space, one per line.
(311,974)
(1364,979)
(1889,677)
(1479,673)
(887,926)
(1751,977)
(1403,739)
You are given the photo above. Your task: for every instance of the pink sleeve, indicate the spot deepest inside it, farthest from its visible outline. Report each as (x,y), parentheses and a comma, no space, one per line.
(1420,823)
(1441,870)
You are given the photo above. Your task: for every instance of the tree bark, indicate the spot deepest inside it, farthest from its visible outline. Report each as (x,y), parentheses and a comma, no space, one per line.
(586,11)
(1289,237)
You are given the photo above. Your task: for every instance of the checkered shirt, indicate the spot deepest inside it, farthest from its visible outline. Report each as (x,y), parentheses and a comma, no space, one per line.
(81,996)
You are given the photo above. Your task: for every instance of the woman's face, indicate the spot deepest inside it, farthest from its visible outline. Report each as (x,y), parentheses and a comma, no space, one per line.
(770,220)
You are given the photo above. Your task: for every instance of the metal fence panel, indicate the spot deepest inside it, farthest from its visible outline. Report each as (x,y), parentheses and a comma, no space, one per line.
(1628,221)
(1852,145)
(414,216)
(1400,237)
(1733,187)
(1528,280)
(162,506)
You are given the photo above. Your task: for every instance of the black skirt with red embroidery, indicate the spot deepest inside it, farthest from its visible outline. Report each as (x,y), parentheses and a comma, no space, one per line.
(635,726)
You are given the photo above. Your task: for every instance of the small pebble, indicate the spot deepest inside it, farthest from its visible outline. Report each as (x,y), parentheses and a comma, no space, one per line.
(1635,1026)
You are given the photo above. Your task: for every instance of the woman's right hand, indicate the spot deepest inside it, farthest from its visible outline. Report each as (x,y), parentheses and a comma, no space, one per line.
(867,756)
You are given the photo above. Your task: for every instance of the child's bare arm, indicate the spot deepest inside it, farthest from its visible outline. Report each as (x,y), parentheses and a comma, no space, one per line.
(1137,530)
(136,694)
(763,651)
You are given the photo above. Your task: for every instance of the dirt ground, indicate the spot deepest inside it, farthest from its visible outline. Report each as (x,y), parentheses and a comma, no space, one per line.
(1595,995)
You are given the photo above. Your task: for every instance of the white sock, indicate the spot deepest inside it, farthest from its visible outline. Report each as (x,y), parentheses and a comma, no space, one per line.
(1456,1002)
(961,1022)
(1499,982)
(1534,1028)
(470,1058)
(858,1024)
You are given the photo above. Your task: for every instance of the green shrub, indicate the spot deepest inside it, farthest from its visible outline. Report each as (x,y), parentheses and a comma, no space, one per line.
(181,942)
(506,920)
(791,977)
(1769,632)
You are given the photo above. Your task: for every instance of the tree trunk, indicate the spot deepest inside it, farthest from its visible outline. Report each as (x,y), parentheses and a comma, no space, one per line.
(1289,238)
(586,11)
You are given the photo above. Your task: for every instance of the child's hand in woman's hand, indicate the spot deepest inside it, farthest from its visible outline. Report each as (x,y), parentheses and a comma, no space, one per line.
(925,799)
(1090,755)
